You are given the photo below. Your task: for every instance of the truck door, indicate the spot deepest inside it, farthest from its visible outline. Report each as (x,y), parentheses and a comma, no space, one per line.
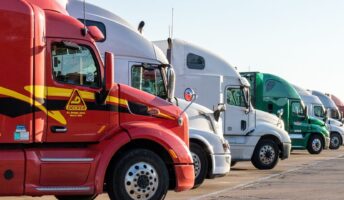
(73,78)
(236,114)
(297,117)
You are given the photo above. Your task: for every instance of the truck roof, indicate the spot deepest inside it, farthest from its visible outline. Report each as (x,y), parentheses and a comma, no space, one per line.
(327,101)
(121,37)
(336,100)
(285,89)
(214,64)
(307,96)
(57,6)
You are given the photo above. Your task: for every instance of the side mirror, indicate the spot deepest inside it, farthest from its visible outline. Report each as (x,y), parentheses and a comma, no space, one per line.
(189,94)
(306,112)
(108,80)
(95,33)
(171,85)
(280,113)
(221,107)
(109,70)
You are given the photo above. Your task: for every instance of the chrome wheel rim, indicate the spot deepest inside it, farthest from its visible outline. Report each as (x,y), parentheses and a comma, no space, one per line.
(316,144)
(267,154)
(335,141)
(141,181)
(197,163)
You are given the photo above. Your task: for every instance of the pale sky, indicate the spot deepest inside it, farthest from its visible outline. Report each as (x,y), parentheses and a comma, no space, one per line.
(299,40)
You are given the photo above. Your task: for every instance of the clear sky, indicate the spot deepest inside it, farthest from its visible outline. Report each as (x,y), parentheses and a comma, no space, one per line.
(299,40)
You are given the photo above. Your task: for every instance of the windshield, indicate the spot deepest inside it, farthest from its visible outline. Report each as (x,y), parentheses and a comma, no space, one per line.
(149,78)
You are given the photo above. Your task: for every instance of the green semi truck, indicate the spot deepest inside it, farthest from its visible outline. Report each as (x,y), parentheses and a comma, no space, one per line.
(273,94)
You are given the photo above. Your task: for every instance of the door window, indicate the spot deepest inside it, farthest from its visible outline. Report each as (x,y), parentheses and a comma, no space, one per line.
(74,64)
(319,111)
(236,97)
(149,79)
(297,109)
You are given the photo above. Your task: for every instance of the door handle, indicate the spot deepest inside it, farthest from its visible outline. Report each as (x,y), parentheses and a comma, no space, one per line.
(243,125)
(58,129)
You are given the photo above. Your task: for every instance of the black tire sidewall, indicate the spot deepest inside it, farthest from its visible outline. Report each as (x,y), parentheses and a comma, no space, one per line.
(255,158)
(310,141)
(198,150)
(339,140)
(116,183)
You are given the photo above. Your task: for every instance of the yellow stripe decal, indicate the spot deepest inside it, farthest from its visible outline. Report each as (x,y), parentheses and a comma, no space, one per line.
(53,114)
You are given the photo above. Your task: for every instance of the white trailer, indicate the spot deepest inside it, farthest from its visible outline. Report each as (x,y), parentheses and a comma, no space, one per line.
(253,135)
(317,108)
(142,65)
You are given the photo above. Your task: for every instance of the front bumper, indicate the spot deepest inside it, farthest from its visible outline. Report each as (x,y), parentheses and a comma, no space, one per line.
(327,143)
(185,177)
(221,165)
(285,151)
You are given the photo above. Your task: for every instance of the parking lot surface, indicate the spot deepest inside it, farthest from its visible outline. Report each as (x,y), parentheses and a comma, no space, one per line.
(302,176)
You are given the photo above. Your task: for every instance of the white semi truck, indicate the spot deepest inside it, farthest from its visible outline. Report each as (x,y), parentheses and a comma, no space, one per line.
(317,108)
(253,135)
(329,105)
(142,65)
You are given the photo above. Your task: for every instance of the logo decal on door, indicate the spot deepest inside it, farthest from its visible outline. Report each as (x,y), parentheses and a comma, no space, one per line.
(76,106)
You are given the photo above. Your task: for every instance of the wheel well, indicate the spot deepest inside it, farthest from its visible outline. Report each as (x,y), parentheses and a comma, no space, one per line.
(210,164)
(336,133)
(152,146)
(276,140)
(321,136)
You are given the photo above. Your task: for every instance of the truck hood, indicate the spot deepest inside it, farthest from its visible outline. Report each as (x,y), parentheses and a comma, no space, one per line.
(201,118)
(137,104)
(269,118)
(334,122)
(315,121)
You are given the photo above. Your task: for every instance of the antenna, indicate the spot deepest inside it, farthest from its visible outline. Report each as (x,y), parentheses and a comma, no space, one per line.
(84,31)
(171,34)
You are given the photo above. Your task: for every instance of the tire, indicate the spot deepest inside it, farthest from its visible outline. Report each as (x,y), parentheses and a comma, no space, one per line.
(89,197)
(315,144)
(233,163)
(265,155)
(335,141)
(200,163)
(151,172)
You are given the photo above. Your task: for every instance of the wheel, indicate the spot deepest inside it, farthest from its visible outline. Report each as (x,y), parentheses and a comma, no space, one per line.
(265,155)
(315,144)
(233,163)
(200,163)
(335,140)
(90,197)
(139,174)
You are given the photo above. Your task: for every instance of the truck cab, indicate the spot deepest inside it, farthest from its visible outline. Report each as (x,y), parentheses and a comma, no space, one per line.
(339,103)
(329,105)
(253,135)
(142,65)
(316,109)
(275,95)
(67,128)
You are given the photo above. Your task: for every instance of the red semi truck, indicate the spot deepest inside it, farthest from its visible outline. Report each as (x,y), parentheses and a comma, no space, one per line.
(66,128)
